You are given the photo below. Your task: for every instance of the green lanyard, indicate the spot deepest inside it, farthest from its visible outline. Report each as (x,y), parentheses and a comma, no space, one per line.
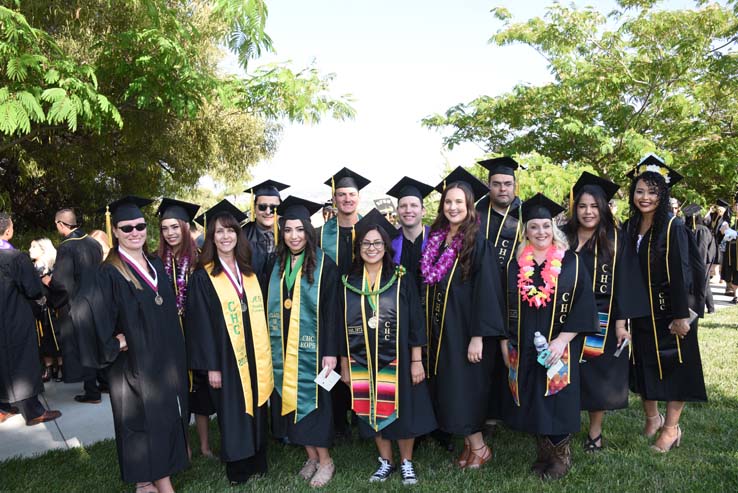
(290,273)
(373,291)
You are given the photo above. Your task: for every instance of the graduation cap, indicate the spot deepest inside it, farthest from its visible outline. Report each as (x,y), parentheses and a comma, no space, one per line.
(376,218)
(177,209)
(609,188)
(269,188)
(657,165)
(479,189)
(408,187)
(691,210)
(539,207)
(504,165)
(296,208)
(123,209)
(220,208)
(723,203)
(346,179)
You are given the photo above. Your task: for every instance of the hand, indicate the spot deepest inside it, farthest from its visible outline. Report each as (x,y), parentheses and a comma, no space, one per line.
(345,374)
(679,327)
(622,334)
(215,379)
(122,341)
(474,353)
(417,372)
(505,353)
(46,280)
(556,349)
(329,364)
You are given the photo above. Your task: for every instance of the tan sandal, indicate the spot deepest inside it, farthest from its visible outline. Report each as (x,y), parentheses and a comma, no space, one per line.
(308,469)
(323,475)
(664,448)
(649,419)
(477,460)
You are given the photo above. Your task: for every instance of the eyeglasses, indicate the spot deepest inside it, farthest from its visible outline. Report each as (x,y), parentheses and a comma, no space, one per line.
(128,227)
(264,207)
(377,245)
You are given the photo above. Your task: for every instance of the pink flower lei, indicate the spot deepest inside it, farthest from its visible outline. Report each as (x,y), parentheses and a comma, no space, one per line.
(432,267)
(183,267)
(539,296)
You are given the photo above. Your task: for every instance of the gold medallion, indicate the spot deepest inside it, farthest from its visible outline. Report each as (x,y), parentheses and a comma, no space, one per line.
(373,322)
(158,299)
(287,304)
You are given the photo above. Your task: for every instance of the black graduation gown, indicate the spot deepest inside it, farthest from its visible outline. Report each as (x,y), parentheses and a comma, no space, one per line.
(460,389)
(416,415)
(557,414)
(502,230)
(345,248)
(412,251)
(148,382)
(77,260)
(604,379)
(708,250)
(261,259)
(679,381)
(729,267)
(46,323)
(20,372)
(209,349)
(315,429)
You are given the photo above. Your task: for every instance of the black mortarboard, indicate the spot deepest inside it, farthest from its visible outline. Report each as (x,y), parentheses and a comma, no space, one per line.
(722,203)
(504,165)
(269,188)
(126,208)
(296,208)
(657,165)
(691,210)
(479,189)
(408,187)
(177,209)
(346,179)
(539,207)
(221,207)
(375,218)
(586,178)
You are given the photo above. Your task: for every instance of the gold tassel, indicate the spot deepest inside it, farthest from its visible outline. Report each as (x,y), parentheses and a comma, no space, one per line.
(276,228)
(108,226)
(521,236)
(252,205)
(205,225)
(694,223)
(571,201)
(333,188)
(444,184)
(353,239)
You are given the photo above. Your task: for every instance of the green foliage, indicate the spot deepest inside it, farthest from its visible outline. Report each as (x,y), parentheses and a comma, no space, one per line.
(635,81)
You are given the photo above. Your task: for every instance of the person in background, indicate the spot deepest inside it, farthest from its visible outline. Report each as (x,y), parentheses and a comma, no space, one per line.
(261,230)
(694,220)
(674,206)
(329,212)
(43,255)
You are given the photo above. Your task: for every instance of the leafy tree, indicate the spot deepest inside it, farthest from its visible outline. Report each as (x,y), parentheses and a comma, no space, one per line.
(105,97)
(633,81)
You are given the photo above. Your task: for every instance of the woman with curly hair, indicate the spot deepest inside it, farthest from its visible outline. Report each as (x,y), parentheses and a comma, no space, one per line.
(666,360)
(463,313)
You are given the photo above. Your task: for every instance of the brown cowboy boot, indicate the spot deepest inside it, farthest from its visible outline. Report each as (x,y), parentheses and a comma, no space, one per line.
(560,460)
(543,455)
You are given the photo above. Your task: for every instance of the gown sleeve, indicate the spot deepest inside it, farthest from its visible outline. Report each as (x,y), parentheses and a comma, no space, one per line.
(582,316)
(414,313)
(341,317)
(631,297)
(678,264)
(30,284)
(329,311)
(202,306)
(96,316)
(62,279)
(487,319)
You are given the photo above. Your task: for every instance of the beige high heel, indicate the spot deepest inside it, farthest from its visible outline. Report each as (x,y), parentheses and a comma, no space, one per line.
(649,419)
(675,443)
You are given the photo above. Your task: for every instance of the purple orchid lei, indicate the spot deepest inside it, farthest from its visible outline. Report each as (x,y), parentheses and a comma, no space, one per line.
(183,266)
(432,267)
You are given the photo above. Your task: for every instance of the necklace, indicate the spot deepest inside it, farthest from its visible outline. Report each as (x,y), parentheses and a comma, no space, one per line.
(374,291)
(538,296)
(434,267)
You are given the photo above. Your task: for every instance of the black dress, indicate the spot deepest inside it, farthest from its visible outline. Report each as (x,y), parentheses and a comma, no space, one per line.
(20,372)
(46,322)
(315,429)
(415,416)
(604,378)
(243,437)
(148,382)
(657,373)
(458,310)
(573,310)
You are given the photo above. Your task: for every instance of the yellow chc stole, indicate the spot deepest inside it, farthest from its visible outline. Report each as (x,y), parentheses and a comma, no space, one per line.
(233,317)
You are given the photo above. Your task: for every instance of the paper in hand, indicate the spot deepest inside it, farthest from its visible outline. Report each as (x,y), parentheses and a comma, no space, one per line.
(327,381)
(620,349)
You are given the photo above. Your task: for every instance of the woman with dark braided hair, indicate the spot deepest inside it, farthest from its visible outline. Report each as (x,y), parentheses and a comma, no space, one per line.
(463,313)
(666,356)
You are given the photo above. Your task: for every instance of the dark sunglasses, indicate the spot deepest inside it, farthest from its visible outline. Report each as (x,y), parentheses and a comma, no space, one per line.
(263,207)
(128,228)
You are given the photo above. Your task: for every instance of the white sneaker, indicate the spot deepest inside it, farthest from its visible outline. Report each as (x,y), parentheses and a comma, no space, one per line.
(384,471)
(408,472)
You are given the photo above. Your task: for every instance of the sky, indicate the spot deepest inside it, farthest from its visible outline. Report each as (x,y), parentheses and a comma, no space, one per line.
(401,60)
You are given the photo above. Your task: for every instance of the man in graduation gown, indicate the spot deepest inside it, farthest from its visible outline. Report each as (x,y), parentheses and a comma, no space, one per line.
(20,371)
(77,259)
(336,239)
(500,228)
(261,230)
(705,244)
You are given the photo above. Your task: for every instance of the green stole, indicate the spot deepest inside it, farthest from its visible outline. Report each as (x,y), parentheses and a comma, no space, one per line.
(329,238)
(298,363)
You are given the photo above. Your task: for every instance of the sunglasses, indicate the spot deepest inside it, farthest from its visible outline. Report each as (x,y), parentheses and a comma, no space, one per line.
(264,207)
(128,228)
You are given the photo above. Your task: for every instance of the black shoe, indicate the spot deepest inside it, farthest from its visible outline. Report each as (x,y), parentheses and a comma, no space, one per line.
(104,389)
(383,472)
(88,399)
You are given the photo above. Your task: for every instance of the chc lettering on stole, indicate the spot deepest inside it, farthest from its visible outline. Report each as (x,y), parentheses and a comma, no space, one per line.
(604,278)
(662,301)
(233,316)
(307,341)
(502,250)
(564,310)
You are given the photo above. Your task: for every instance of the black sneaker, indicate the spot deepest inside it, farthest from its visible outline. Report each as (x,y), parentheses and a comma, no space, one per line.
(384,471)
(408,472)
(88,399)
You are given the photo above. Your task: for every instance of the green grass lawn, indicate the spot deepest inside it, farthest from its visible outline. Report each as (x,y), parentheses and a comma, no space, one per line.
(707,460)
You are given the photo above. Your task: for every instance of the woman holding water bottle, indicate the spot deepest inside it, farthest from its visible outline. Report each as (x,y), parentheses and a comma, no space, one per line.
(550,293)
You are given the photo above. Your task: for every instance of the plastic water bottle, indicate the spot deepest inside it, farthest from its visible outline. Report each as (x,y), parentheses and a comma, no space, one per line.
(540,342)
